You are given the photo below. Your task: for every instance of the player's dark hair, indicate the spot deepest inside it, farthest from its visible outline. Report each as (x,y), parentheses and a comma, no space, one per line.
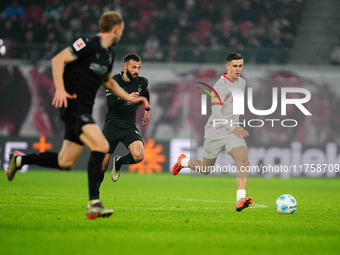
(233,56)
(133,57)
(109,20)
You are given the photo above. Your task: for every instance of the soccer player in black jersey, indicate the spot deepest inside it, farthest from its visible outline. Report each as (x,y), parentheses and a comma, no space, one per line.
(120,120)
(78,71)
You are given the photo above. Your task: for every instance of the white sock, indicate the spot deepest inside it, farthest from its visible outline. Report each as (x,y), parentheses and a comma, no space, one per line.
(18,161)
(185,162)
(241,193)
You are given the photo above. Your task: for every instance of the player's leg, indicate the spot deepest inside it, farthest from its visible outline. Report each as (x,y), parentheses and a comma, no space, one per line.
(136,154)
(69,154)
(113,138)
(240,155)
(64,160)
(106,161)
(211,149)
(93,138)
(134,142)
(136,149)
(201,166)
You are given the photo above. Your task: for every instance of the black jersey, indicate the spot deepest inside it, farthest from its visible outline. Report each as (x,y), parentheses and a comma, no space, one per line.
(122,114)
(84,76)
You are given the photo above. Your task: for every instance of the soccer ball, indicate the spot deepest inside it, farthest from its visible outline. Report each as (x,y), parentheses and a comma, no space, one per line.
(286,204)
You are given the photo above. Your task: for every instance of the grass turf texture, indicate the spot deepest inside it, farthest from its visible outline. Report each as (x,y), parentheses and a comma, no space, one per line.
(43,212)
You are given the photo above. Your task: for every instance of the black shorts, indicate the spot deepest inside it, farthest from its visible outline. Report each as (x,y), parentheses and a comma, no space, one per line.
(126,136)
(74,123)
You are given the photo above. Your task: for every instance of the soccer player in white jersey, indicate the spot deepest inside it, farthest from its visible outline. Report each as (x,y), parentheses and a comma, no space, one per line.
(232,137)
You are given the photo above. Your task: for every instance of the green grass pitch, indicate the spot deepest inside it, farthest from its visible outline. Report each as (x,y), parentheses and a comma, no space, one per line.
(43,212)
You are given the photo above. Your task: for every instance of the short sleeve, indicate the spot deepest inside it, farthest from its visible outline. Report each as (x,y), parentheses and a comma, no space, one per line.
(82,47)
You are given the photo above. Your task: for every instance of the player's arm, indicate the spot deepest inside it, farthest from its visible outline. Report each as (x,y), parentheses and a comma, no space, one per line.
(116,90)
(146,117)
(58,62)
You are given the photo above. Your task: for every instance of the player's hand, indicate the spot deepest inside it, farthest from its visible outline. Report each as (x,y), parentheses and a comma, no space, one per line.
(60,98)
(146,117)
(135,94)
(240,132)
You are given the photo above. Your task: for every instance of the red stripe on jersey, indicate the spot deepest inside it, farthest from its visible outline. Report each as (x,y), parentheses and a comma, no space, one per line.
(217,104)
(225,76)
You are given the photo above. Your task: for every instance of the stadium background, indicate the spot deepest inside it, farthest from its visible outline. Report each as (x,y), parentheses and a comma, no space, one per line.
(286,43)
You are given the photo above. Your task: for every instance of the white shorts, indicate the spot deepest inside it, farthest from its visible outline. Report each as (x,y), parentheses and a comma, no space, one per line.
(213,147)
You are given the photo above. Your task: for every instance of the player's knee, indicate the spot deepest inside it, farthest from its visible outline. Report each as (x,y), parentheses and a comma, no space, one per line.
(66,165)
(138,156)
(101,146)
(243,162)
(106,147)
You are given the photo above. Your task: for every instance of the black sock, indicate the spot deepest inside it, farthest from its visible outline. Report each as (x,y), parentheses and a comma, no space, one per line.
(95,174)
(47,159)
(127,159)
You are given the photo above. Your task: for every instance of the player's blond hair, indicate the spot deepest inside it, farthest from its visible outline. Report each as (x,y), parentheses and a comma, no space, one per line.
(108,20)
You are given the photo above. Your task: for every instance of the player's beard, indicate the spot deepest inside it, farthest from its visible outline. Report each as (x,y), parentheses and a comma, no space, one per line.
(129,74)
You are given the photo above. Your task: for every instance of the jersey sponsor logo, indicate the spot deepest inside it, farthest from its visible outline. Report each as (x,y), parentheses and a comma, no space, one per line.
(79,44)
(99,69)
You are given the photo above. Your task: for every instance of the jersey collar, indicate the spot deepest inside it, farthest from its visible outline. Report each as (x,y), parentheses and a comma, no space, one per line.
(121,74)
(100,40)
(101,43)
(225,76)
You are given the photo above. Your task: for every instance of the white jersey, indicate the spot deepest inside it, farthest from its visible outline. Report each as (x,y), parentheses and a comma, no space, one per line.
(223,108)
